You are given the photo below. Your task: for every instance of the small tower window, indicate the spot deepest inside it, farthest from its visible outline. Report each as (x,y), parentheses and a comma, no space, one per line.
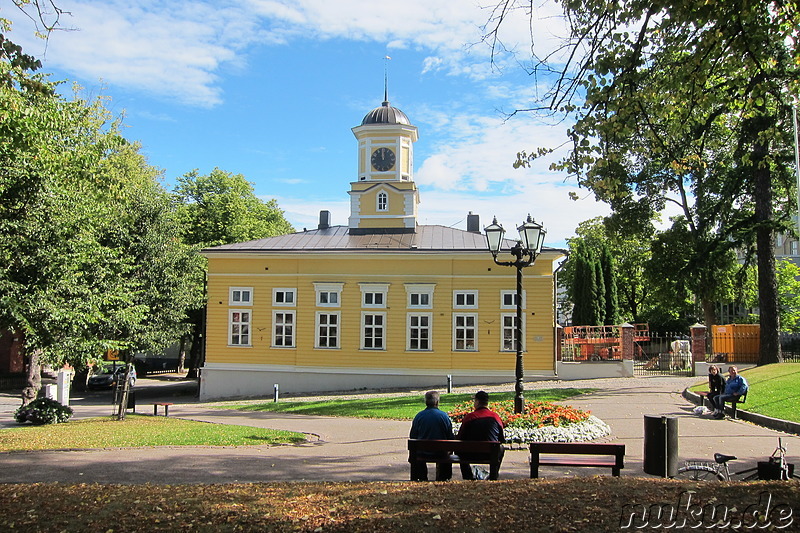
(383,201)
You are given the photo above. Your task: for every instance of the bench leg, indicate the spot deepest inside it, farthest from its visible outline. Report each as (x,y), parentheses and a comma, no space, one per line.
(418,471)
(534,465)
(166,410)
(155,410)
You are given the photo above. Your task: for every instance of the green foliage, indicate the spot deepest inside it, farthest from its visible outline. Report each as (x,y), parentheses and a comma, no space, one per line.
(43,411)
(591,280)
(685,103)
(90,251)
(222,208)
(789,295)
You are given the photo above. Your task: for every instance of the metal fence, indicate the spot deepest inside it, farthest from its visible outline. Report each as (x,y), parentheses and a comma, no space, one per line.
(662,354)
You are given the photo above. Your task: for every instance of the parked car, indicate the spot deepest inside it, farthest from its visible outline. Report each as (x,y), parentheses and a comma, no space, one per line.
(110,376)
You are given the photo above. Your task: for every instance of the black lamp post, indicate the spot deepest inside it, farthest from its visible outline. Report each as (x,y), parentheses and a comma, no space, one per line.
(525,252)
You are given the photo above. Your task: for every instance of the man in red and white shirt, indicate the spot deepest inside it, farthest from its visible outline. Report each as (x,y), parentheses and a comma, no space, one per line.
(481,424)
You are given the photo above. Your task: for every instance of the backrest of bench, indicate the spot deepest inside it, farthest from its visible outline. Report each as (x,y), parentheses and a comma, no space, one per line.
(582,448)
(454,446)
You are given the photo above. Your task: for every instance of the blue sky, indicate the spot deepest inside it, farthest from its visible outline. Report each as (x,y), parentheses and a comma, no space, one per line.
(271,88)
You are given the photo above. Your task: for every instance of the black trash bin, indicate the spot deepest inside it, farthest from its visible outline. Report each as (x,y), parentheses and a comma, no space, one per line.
(661,445)
(132,401)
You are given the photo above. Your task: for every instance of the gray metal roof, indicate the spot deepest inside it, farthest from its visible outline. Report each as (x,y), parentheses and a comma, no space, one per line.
(386,114)
(426,238)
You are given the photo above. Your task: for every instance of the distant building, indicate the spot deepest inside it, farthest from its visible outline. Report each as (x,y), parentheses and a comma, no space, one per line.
(381,302)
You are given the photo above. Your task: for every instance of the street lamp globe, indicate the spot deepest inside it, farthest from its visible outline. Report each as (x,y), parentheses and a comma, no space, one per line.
(494,236)
(532,235)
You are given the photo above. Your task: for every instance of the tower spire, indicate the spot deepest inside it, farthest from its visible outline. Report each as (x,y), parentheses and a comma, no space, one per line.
(386,79)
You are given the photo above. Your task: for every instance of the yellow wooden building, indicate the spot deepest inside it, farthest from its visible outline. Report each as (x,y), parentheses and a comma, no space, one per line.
(381,302)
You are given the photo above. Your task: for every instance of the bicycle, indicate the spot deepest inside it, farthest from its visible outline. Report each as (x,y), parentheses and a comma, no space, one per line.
(719,471)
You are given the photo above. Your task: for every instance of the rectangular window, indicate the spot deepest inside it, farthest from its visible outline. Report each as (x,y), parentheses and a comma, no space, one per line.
(793,246)
(240,296)
(509,332)
(239,327)
(327,330)
(465,299)
(328,294)
(373,299)
(465,332)
(508,299)
(286,297)
(419,332)
(420,295)
(373,331)
(373,295)
(283,329)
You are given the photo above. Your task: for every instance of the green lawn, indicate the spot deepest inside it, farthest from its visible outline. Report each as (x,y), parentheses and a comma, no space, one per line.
(137,430)
(774,390)
(397,408)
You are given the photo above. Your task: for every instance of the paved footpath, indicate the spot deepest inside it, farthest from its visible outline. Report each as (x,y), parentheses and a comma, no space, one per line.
(344,449)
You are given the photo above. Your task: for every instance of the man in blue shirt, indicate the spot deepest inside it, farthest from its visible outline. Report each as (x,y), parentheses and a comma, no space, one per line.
(431,424)
(735,386)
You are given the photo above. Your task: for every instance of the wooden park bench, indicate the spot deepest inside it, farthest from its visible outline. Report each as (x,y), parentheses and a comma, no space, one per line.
(591,454)
(734,403)
(165,405)
(478,451)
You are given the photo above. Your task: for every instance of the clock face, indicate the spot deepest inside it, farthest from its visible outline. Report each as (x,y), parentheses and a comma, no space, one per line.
(382,159)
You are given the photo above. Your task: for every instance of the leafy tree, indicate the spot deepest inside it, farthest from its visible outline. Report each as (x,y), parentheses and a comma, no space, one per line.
(90,255)
(582,293)
(609,275)
(221,208)
(602,246)
(684,102)
(789,293)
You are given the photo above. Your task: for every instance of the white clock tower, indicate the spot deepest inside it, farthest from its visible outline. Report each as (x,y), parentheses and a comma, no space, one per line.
(385,197)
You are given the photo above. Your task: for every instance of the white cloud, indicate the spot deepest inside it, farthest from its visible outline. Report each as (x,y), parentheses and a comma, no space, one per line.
(177,49)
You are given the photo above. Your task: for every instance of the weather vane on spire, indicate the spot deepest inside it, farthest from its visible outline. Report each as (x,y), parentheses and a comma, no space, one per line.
(386,79)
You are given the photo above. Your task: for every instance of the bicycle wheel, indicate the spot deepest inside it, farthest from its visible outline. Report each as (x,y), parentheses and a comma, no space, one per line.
(700,473)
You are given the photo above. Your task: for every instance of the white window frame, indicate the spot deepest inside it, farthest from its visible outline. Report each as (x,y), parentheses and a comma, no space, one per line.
(504,328)
(245,322)
(422,291)
(274,334)
(328,289)
(372,337)
(235,296)
(513,295)
(284,291)
(372,289)
(409,328)
(382,201)
(319,324)
(793,247)
(466,295)
(463,328)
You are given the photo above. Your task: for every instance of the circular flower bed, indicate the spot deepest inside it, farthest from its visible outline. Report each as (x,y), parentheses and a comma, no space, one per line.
(540,422)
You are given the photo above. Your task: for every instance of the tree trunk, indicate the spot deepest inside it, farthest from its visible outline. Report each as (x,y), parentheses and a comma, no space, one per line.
(34,378)
(769,317)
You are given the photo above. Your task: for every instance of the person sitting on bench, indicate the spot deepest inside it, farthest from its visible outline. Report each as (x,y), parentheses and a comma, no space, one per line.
(432,424)
(716,385)
(481,424)
(735,386)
